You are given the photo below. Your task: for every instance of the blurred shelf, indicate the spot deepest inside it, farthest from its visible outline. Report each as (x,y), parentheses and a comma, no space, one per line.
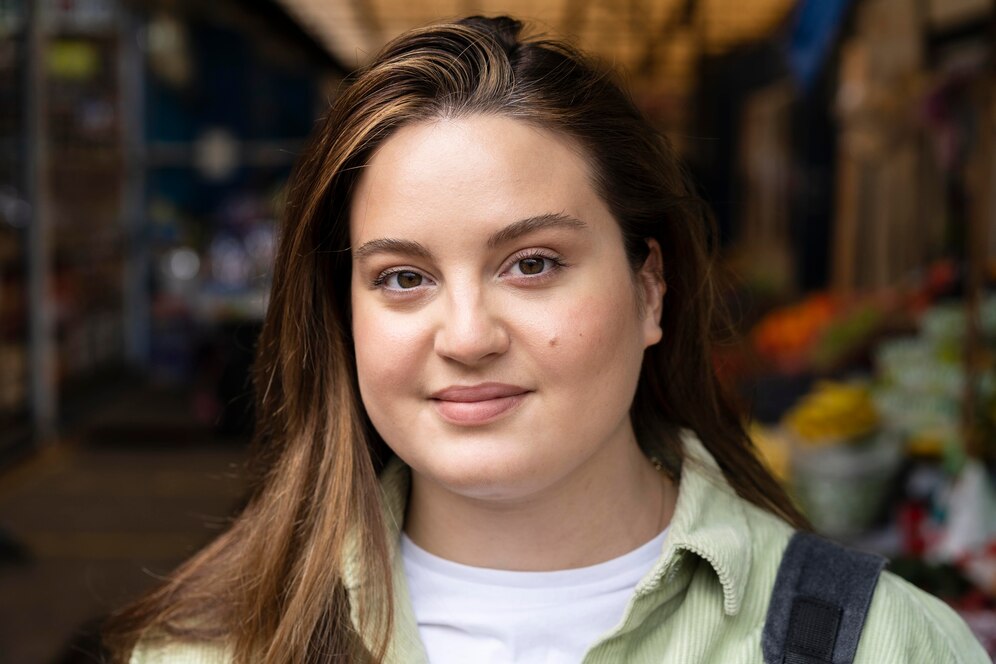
(170,154)
(226,307)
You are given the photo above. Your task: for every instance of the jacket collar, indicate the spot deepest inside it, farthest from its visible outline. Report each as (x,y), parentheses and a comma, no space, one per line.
(395,480)
(709,522)
(404,645)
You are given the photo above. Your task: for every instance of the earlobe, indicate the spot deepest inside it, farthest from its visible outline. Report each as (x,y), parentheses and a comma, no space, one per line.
(653,288)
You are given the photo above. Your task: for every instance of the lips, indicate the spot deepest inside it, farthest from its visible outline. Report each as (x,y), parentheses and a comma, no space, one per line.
(477,404)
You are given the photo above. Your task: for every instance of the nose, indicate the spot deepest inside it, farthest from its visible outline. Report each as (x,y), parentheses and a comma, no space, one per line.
(471,330)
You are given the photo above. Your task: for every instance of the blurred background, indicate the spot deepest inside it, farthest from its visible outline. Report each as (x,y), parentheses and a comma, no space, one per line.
(848,148)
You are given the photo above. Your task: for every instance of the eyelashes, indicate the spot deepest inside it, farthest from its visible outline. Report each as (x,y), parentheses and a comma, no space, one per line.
(411,276)
(529,259)
(528,266)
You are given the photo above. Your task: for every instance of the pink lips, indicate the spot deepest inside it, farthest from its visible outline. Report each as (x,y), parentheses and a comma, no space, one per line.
(477,404)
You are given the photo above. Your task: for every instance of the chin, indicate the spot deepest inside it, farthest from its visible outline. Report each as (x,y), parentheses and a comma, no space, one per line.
(483,476)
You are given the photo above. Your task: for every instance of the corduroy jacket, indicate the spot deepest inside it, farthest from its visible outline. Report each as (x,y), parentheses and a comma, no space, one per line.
(705,600)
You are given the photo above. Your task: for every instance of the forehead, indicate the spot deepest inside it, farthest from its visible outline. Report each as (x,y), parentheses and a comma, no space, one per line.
(480,171)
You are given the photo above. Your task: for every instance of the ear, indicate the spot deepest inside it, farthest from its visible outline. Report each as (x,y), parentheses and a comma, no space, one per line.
(651,289)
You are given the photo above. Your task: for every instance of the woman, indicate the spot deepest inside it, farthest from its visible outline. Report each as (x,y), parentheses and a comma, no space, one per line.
(488,427)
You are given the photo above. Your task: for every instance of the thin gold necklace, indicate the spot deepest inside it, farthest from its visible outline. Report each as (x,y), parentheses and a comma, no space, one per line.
(659,467)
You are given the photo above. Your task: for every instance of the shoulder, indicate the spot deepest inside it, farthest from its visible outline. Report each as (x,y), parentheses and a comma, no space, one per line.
(743,544)
(161,651)
(906,624)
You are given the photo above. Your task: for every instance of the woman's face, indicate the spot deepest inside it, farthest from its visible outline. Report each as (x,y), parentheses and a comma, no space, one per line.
(498,326)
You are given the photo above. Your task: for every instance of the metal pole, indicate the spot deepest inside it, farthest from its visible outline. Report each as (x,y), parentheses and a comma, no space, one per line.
(137,260)
(41,314)
(979,176)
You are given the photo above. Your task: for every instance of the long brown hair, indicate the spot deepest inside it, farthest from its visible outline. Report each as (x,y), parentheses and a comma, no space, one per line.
(272,586)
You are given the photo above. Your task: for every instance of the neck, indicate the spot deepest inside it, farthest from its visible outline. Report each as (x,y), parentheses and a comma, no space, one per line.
(611,504)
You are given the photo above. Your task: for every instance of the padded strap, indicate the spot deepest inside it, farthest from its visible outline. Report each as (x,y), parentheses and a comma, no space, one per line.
(819,602)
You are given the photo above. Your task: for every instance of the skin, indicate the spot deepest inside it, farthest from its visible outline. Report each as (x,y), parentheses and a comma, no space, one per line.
(449,290)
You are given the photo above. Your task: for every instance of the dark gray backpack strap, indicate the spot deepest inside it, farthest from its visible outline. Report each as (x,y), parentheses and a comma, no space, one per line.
(819,602)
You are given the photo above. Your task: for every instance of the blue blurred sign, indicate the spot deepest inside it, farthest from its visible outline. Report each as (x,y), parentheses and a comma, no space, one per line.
(816,25)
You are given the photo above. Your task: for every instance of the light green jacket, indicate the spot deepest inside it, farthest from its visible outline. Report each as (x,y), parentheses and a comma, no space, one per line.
(704,601)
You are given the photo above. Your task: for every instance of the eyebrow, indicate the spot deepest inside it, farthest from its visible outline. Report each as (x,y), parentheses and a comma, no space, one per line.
(524,226)
(391,246)
(507,234)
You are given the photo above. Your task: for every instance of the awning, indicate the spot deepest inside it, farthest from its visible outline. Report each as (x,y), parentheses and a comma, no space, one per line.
(641,36)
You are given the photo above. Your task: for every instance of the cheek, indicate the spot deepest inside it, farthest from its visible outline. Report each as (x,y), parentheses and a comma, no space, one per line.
(385,352)
(589,337)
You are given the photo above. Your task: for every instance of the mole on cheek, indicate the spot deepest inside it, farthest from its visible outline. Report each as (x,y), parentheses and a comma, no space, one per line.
(554,341)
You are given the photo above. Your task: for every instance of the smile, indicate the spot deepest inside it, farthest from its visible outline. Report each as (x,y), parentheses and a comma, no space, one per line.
(477,404)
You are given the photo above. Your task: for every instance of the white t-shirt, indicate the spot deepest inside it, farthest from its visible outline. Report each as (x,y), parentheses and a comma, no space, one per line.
(473,614)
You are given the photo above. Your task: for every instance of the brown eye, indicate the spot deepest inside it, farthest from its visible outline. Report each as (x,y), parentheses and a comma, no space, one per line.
(532,265)
(409,279)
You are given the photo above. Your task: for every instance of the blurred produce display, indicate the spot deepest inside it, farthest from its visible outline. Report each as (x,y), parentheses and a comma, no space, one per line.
(875,449)
(833,414)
